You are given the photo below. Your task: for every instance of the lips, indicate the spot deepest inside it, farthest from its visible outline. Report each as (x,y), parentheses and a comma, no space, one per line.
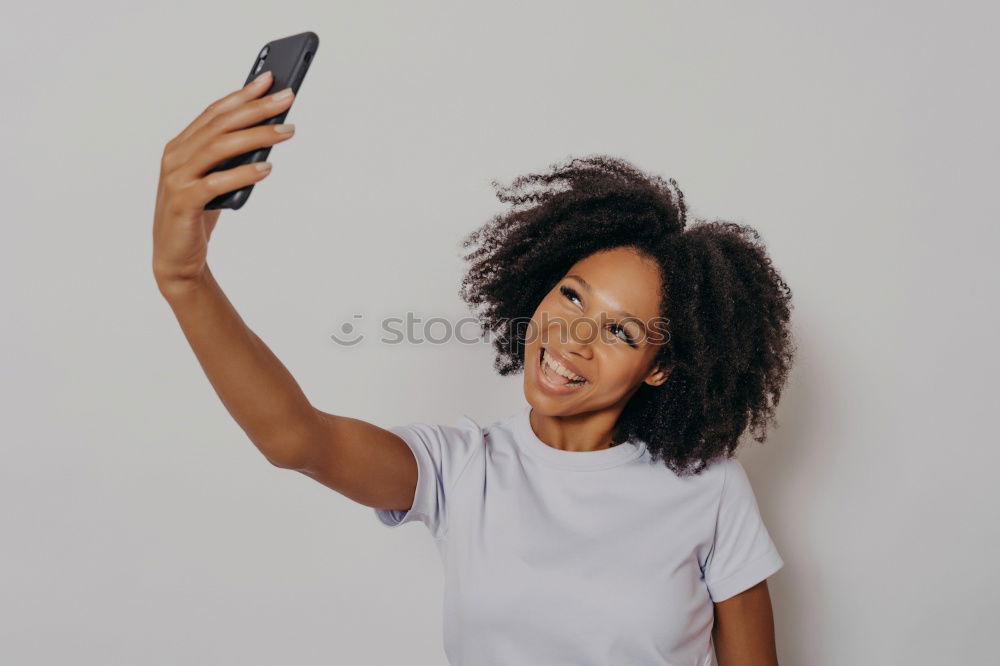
(547,385)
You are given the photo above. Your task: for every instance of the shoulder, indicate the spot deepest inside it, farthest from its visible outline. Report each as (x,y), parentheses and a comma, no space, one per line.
(725,474)
(725,484)
(735,481)
(712,479)
(461,429)
(448,446)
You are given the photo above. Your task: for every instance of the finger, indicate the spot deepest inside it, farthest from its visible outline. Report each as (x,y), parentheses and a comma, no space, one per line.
(214,133)
(252,90)
(224,146)
(199,192)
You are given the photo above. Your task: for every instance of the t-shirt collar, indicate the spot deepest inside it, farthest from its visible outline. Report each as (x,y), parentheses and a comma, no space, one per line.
(529,442)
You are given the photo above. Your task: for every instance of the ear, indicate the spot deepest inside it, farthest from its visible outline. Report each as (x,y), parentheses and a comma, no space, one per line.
(658,376)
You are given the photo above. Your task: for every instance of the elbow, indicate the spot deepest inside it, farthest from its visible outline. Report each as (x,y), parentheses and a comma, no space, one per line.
(289,446)
(289,450)
(281,462)
(287,453)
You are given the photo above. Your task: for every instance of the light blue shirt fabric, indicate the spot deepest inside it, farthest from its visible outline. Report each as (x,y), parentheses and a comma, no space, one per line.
(579,558)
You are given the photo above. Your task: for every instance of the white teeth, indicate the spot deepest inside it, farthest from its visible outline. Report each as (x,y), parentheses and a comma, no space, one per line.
(559,368)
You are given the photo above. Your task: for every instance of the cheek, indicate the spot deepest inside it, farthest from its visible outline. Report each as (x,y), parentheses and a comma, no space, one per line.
(634,364)
(618,372)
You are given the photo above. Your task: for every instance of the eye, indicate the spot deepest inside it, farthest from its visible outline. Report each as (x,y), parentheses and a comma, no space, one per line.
(627,338)
(569,293)
(615,329)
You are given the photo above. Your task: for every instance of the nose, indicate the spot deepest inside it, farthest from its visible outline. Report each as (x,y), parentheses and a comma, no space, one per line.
(577,336)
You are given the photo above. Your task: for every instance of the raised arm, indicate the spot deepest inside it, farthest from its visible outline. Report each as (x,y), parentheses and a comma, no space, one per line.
(362,461)
(255,387)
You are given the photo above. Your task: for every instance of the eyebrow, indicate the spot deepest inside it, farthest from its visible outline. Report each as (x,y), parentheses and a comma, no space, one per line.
(586,287)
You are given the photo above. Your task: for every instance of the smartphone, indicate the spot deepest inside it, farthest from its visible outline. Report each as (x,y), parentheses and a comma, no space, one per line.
(288,59)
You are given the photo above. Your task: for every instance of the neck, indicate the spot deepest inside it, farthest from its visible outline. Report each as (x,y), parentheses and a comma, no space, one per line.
(590,431)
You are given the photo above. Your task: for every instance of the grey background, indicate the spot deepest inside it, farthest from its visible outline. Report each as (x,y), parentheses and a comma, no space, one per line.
(141,526)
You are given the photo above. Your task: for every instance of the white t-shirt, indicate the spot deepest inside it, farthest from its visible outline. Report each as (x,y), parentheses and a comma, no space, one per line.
(579,557)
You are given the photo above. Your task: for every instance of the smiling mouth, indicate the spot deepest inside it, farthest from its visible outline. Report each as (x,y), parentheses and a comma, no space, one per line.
(553,377)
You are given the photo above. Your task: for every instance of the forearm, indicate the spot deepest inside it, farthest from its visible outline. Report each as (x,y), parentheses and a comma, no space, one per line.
(259,392)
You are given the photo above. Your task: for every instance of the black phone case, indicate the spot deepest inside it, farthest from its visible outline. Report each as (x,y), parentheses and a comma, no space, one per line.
(288,59)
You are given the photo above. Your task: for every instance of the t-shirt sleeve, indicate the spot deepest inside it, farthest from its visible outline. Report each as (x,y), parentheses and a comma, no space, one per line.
(743,553)
(442,453)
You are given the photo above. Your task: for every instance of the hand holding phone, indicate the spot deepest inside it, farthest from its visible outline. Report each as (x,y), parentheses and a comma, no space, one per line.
(288,60)
(237,130)
(181,225)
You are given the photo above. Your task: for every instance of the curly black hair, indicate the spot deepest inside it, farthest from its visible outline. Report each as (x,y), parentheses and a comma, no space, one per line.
(729,339)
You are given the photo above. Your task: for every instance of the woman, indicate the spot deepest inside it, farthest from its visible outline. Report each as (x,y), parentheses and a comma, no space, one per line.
(605,523)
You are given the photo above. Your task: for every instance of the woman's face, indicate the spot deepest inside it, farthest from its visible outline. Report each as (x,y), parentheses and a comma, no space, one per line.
(584,324)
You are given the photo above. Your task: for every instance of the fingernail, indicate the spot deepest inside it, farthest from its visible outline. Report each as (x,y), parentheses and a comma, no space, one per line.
(285,129)
(263,166)
(260,76)
(284,94)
